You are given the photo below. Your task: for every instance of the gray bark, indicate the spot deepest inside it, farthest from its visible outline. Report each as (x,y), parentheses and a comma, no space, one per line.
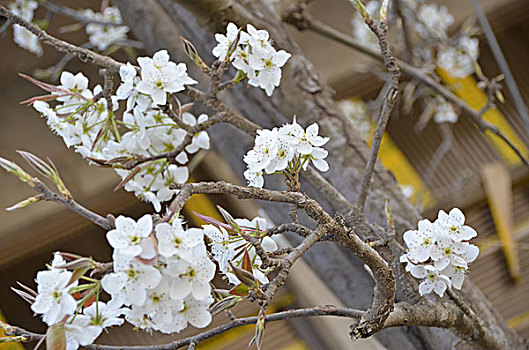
(158,24)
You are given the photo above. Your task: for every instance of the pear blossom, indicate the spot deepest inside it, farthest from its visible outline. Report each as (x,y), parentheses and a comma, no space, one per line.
(201,139)
(254,56)
(420,242)
(433,20)
(452,224)
(53,299)
(268,64)
(103,36)
(221,248)
(161,309)
(195,312)
(289,148)
(225,41)
(432,280)
(79,332)
(128,235)
(130,280)
(446,251)
(438,252)
(191,278)
(231,247)
(127,90)
(21,36)
(445,113)
(174,240)
(160,76)
(459,59)
(104,315)
(27,40)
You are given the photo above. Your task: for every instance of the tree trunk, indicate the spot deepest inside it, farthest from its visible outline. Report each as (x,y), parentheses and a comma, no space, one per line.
(159,24)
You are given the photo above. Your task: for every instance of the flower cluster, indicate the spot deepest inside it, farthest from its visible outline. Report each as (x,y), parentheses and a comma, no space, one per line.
(439,252)
(433,21)
(60,298)
(160,280)
(229,247)
(84,121)
(453,54)
(253,55)
(163,275)
(104,36)
(285,150)
(21,36)
(445,112)
(459,59)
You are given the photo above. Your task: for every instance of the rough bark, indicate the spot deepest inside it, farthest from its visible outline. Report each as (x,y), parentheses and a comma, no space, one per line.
(158,24)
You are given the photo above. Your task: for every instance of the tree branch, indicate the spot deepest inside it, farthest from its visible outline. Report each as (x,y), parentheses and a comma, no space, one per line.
(71,204)
(327,310)
(476,116)
(84,55)
(52,6)
(502,63)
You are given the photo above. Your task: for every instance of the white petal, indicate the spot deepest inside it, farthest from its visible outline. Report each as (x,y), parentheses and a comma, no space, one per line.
(180,288)
(320,164)
(199,317)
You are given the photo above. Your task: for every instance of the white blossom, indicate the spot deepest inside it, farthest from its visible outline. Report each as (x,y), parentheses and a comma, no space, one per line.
(21,36)
(452,224)
(192,278)
(174,240)
(225,41)
(459,60)
(130,280)
(268,64)
(104,315)
(200,139)
(438,252)
(160,76)
(79,332)
(128,236)
(445,113)
(433,21)
(289,148)
(254,55)
(432,280)
(53,299)
(103,36)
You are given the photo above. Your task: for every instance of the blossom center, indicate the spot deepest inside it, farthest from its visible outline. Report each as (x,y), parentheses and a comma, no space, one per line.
(56,295)
(177,241)
(132,273)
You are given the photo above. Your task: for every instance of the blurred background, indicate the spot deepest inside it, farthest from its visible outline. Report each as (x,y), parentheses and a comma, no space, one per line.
(477,174)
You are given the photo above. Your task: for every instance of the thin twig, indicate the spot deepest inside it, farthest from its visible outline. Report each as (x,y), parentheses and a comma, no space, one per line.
(76,15)
(72,205)
(380,31)
(84,55)
(327,310)
(416,73)
(502,63)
